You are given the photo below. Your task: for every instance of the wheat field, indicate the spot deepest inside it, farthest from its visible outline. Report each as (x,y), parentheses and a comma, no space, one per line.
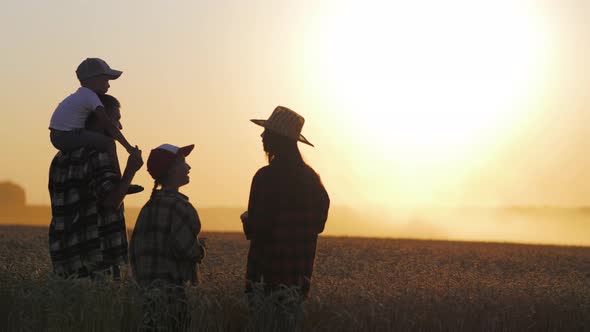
(359,284)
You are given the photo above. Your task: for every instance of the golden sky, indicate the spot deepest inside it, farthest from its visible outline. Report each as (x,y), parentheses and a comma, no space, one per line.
(445,103)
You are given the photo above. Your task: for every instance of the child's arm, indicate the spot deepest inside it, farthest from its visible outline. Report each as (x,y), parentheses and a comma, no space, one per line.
(105,122)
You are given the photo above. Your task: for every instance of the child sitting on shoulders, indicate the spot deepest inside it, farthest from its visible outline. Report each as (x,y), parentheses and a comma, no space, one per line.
(67,125)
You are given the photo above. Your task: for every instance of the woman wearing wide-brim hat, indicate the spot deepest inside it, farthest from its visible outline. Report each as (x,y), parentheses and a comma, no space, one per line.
(287,209)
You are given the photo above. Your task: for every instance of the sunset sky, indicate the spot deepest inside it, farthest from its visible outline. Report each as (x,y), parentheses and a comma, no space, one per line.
(407,102)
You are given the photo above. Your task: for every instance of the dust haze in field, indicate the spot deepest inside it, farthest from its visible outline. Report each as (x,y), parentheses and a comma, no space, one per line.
(551,225)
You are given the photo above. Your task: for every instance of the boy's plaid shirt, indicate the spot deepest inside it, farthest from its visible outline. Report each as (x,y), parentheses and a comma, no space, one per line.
(84,236)
(164,245)
(288,208)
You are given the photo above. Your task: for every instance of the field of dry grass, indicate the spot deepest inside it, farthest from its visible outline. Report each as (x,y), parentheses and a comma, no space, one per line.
(359,285)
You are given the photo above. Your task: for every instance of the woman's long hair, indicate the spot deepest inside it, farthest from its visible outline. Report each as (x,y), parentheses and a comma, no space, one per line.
(157,183)
(282,150)
(283,154)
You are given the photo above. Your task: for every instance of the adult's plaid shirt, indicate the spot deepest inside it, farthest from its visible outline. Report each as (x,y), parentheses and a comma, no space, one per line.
(287,209)
(164,245)
(83,235)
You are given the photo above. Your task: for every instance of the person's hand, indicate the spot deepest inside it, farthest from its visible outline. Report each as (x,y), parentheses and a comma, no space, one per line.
(203,247)
(203,241)
(132,149)
(134,161)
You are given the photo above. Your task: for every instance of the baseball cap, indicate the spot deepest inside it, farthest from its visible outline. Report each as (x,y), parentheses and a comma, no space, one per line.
(92,67)
(163,156)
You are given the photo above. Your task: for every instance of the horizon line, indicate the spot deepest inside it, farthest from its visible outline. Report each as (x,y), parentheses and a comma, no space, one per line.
(401,206)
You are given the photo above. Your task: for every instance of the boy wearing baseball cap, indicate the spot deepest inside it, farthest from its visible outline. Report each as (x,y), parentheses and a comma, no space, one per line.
(164,246)
(67,125)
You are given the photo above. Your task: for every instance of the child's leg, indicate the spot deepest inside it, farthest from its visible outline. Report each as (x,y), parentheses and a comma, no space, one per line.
(71,140)
(65,140)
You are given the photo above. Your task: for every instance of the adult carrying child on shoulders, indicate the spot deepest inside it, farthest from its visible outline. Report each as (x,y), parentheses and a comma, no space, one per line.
(67,125)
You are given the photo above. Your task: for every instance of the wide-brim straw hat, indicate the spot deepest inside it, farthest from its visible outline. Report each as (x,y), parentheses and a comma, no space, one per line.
(285,122)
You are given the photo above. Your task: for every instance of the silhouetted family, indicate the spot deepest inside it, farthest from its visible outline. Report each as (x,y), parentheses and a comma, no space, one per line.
(287,208)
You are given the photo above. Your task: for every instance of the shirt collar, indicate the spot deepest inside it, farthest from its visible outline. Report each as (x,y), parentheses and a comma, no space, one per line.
(162,192)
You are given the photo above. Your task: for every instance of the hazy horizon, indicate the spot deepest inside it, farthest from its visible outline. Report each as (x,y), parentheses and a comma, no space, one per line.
(529,225)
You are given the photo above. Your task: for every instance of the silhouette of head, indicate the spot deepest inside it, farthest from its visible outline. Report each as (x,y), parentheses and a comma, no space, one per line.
(282,131)
(167,165)
(176,174)
(98,84)
(112,107)
(95,73)
(279,147)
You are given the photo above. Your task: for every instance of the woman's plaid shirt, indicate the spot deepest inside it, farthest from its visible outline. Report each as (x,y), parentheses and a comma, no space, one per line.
(288,208)
(164,245)
(83,235)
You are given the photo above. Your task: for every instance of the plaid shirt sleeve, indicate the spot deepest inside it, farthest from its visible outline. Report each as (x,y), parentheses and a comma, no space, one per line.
(319,206)
(261,206)
(103,176)
(185,227)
